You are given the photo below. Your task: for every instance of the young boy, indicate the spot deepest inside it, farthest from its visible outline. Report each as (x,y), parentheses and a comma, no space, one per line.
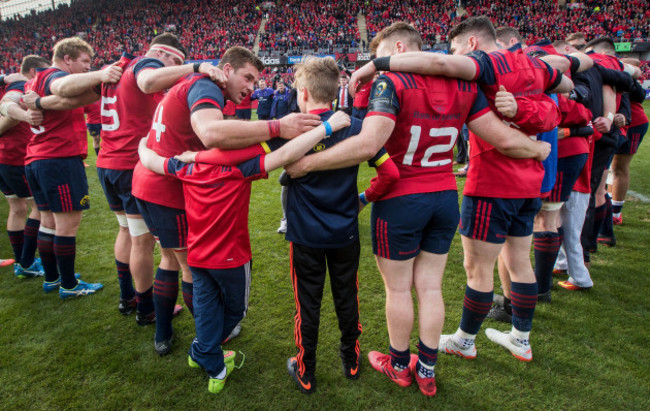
(322,209)
(219,253)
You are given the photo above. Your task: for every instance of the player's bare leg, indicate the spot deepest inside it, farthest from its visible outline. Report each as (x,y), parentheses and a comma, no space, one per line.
(427,273)
(398,282)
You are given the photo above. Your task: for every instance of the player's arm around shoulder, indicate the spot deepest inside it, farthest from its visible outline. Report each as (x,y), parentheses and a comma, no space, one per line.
(74,85)
(300,145)
(150,159)
(507,140)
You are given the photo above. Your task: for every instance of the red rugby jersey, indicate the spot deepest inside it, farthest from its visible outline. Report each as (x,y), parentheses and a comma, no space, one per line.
(13,143)
(217,199)
(362,97)
(573,115)
(493,174)
(126,114)
(62,133)
(429,113)
(92,113)
(171,133)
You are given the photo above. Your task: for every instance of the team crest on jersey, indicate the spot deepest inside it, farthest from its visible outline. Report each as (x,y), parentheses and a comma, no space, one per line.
(380,88)
(84,201)
(319,147)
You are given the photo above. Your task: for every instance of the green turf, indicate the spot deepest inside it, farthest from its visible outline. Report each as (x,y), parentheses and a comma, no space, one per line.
(590,348)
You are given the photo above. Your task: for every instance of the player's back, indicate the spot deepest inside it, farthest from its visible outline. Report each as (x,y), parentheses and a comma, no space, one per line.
(61,133)
(13,142)
(430,114)
(170,133)
(126,114)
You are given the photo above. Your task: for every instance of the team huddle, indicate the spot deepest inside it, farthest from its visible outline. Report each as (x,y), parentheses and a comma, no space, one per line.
(546,121)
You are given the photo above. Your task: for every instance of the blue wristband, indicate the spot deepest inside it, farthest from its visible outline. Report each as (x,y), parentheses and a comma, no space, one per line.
(328,128)
(362,198)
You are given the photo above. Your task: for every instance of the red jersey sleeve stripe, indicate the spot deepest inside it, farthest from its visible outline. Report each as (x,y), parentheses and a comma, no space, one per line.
(478,114)
(206,100)
(380,113)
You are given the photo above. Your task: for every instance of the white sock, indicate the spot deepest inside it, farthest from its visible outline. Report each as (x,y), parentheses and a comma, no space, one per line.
(522,337)
(464,339)
(426,371)
(222,374)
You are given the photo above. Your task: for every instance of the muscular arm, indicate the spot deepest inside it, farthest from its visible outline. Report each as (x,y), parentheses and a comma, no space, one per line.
(68,103)
(300,145)
(565,86)
(508,141)
(150,159)
(77,84)
(153,81)
(7,124)
(375,132)
(557,62)
(461,67)
(586,62)
(215,132)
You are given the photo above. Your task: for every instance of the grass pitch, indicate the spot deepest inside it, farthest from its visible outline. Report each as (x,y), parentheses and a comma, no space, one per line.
(590,348)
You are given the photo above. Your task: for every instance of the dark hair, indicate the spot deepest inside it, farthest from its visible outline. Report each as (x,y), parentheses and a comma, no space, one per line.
(602,43)
(397,31)
(169,39)
(238,57)
(478,26)
(33,61)
(504,34)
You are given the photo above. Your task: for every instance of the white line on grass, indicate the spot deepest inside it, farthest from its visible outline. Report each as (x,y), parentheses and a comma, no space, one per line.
(641,197)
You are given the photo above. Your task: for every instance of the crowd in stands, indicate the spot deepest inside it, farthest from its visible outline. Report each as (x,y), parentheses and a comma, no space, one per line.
(114,26)
(535,19)
(295,27)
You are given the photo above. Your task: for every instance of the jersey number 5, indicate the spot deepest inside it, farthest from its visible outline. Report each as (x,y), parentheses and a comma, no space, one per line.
(436,134)
(112,113)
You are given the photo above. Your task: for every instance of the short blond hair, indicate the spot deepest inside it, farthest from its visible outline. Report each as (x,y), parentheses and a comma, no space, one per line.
(320,76)
(73,47)
(398,31)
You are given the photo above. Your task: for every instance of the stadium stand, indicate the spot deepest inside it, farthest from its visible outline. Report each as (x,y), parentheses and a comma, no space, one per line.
(295,27)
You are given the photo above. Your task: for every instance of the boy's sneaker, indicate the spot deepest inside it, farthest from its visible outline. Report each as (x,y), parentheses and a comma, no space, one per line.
(522,352)
(215,385)
(49,286)
(427,385)
(127,306)
(306,385)
(82,288)
(449,346)
(618,220)
(558,272)
(228,358)
(381,363)
(351,368)
(7,262)
(34,270)
(283,226)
